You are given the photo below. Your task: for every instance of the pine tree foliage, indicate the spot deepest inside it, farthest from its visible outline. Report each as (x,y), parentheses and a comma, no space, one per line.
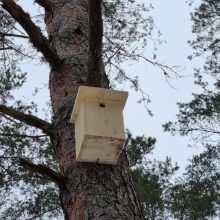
(206,27)
(124,41)
(25,194)
(11,75)
(152,178)
(18,140)
(196,194)
(199,118)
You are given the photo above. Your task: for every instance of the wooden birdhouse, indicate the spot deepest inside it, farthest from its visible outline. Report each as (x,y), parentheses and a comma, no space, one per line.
(99,125)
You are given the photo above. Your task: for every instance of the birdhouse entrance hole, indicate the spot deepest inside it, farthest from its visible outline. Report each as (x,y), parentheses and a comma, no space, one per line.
(102,105)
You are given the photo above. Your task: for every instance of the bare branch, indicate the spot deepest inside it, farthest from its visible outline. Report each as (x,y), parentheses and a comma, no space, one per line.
(45,171)
(21,135)
(111,57)
(134,82)
(2,34)
(44,3)
(6,48)
(31,120)
(34,32)
(18,51)
(95,43)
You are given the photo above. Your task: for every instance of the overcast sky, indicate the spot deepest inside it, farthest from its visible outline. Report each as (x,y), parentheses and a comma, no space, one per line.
(172,18)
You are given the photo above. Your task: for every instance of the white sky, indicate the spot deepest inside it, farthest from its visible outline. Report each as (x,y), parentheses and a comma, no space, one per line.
(172,18)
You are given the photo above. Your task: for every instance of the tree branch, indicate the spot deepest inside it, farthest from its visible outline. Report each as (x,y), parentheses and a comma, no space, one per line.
(2,34)
(45,171)
(44,3)
(21,135)
(18,51)
(34,32)
(95,43)
(31,120)
(7,48)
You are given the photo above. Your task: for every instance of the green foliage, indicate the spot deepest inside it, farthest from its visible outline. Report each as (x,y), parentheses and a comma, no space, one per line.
(152,179)
(138,147)
(11,76)
(196,194)
(24,193)
(153,183)
(149,190)
(206,26)
(199,118)
(36,201)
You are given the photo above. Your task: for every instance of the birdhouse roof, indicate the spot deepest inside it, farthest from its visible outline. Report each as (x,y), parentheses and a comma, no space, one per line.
(101,94)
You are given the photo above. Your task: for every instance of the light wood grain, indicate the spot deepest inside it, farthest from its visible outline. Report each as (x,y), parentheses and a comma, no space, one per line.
(99,125)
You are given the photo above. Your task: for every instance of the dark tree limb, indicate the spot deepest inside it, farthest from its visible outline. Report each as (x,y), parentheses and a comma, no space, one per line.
(31,120)
(34,32)
(95,43)
(6,48)
(44,3)
(2,34)
(44,171)
(22,135)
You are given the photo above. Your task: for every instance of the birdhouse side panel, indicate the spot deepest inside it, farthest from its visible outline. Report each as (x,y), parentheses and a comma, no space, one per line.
(80,128)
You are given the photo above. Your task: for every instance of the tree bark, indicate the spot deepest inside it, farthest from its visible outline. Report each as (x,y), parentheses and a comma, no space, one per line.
(95,43)
(93,191)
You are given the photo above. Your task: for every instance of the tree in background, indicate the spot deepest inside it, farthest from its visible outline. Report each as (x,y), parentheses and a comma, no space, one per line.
(200,117)
(196,195)
(39,176)
(152,179)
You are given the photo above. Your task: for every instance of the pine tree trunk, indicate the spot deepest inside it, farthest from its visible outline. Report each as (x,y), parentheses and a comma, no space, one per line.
(92,191)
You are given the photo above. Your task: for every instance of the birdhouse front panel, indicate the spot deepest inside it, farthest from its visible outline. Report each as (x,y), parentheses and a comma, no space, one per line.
(104,118)
(99,126)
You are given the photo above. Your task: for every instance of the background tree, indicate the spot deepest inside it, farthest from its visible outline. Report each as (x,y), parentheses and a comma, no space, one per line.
(152,179)
(196,194)
(200,119)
